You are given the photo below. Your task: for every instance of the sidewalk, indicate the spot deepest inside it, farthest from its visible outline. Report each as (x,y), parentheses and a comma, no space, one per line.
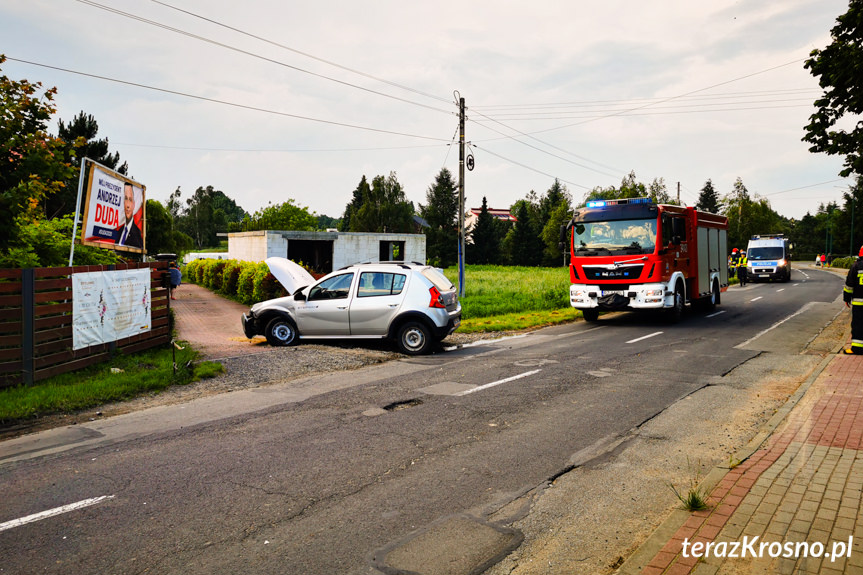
(800,483)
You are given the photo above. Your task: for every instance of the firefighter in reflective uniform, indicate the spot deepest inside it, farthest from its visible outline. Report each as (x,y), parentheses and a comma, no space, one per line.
(853,296)
(741,268)
(732,265)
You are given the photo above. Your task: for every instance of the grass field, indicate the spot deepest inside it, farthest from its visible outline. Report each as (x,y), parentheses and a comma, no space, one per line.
(506,298)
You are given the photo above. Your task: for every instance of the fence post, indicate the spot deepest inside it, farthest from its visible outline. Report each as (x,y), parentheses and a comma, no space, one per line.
(28,321)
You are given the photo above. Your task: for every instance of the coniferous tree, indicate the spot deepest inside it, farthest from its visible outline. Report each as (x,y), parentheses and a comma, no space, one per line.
(484,247)
(708,199)
(525,244)
(440,214)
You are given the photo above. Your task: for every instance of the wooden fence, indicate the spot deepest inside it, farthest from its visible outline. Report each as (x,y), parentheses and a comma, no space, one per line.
(36,322)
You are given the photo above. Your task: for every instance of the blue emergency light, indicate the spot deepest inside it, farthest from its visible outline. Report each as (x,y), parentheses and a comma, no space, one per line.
(621,202)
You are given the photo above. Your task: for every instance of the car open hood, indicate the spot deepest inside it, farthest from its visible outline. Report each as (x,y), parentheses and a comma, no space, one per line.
(290,274)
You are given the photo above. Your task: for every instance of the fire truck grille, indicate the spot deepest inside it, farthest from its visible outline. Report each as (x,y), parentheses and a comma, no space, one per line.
(621,273)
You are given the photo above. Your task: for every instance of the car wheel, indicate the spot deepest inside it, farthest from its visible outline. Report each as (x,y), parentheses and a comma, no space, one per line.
(675,314)
(590,315)
(281,332)
(713,300)
(413,338)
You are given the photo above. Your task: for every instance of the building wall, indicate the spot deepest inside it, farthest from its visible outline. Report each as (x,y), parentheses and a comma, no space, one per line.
(348,247)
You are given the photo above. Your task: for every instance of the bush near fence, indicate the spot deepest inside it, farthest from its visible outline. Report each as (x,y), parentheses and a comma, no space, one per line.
(247,282)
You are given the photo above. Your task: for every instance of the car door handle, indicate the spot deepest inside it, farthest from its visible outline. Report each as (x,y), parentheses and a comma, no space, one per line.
(342,307)
(393,305)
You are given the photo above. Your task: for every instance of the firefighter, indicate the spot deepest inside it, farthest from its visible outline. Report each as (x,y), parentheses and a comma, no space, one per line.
(852,293)
(741,268)
(732,265)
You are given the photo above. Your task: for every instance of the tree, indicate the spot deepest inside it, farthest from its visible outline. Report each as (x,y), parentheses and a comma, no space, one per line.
(361,192)
(161,235)
(284,216)
(708,199)
(747,217)
(525,244)
(80,142)
(630,187)
(45,243)
(33,164)
(384,208)
(484,247)
(554,208)
(441,213)
(839,68)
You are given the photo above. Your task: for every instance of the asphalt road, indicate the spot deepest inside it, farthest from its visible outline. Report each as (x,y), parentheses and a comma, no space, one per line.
(384,468)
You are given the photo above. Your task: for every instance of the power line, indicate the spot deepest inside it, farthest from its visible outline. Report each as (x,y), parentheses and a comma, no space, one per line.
(252,54)
(307,55)
(227,103)
(525,166)
(275,150)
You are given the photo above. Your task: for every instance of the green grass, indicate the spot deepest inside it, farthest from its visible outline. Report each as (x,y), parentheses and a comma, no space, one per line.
(124,377)
(493,291)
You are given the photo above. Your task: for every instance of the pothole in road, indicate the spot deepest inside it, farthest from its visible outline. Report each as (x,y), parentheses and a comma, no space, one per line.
(395,406)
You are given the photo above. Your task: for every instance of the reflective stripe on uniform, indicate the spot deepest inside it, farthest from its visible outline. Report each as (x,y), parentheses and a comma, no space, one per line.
(857,301)
(847,289)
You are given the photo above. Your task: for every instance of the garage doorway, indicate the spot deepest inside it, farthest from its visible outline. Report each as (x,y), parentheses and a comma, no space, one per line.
(316,254)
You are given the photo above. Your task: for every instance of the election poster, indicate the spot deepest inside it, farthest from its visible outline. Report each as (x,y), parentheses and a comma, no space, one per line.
(114,214)
(111,305)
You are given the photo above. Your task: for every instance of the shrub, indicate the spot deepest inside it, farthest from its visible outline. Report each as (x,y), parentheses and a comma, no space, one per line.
(213,274)
(246,283)
(190,273)
(266,286)
(844,262)
(230,277)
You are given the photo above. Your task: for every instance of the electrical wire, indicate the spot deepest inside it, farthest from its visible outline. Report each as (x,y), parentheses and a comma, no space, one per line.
(301,53)
(226,103)
(525,166)
(252,54)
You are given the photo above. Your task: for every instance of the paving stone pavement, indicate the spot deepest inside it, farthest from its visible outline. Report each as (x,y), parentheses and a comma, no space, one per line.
(792,506)
(212,323)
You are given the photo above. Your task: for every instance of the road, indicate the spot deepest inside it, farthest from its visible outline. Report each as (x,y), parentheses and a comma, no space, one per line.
(396,467)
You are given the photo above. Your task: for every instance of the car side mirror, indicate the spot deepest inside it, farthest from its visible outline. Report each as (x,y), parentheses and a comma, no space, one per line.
(299,296)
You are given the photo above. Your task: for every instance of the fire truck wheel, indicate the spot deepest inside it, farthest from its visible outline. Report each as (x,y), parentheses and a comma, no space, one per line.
(675,314)
(590,315)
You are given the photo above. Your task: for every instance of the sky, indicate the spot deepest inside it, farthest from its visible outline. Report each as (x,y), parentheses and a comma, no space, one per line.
(271,101)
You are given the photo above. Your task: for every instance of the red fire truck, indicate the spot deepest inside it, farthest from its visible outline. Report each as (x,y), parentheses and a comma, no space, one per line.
(633,254)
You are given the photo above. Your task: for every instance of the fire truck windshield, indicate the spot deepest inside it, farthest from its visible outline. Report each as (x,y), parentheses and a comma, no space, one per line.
(615,237)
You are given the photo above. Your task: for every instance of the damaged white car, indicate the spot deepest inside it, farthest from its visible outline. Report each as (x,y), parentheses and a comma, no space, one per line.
(413,304)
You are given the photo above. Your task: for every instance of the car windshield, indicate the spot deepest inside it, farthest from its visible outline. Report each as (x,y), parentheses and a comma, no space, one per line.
(766,253)
(615,237)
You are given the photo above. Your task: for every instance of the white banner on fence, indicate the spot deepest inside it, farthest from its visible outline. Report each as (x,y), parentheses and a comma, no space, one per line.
(108,306)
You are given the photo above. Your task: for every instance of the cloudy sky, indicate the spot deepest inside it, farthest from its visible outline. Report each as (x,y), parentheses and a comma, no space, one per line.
(269,101)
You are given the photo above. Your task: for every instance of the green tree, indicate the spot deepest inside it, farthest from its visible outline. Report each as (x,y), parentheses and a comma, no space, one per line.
(748,216)
(441,213)
(80,140)
(839,69)
(362,191)
(327,222)
(45,243)
(33,163)
(554,208)
(233,214)
(384,208)
(485,238)
(199,220)
(525,244)
(708,199)
(284,216)
(161,235)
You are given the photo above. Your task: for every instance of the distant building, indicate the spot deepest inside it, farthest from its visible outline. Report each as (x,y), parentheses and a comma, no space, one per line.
(322,251)
(472,214)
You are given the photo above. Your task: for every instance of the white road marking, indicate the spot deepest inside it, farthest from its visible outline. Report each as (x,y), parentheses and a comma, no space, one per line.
(716,313)
(775,325)
(780,289)
(494,383)
(53,512)
(645,337)
(756,299)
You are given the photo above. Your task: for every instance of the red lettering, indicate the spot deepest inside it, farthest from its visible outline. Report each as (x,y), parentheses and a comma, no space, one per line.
(107,216)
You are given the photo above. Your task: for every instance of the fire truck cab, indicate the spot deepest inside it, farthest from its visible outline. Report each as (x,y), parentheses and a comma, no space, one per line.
(633,254)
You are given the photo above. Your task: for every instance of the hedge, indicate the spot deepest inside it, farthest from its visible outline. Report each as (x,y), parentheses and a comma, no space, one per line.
(246,282)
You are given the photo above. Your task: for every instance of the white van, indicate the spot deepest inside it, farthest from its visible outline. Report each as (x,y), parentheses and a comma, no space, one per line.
(769,257)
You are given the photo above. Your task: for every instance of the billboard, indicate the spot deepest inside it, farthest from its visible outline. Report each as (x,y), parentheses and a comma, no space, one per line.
(114,215)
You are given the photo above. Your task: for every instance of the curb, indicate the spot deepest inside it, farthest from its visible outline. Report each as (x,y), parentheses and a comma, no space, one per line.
(637,561)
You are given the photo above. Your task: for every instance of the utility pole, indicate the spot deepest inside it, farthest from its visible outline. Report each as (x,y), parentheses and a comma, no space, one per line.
(678,193)
(461,290)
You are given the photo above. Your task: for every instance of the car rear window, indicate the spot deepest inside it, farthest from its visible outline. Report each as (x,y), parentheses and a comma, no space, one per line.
(439,280)
(380,283)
